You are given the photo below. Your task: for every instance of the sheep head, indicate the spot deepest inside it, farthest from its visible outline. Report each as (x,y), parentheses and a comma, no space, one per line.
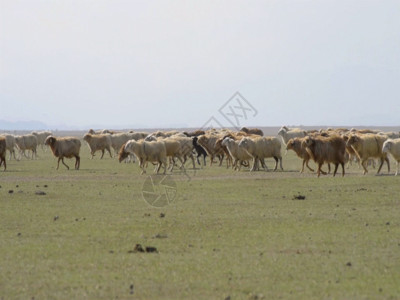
(50,141)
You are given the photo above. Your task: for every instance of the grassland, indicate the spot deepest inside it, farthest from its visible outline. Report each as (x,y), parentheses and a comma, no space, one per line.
(226,233)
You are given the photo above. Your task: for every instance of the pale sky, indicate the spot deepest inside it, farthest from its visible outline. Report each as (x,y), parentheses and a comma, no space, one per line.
(127,64)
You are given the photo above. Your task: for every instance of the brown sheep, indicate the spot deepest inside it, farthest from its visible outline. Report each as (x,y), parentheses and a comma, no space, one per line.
(326,150)
(3,147)
(122,154)
(98,142)
(255,131)
(65,147)
(194,133)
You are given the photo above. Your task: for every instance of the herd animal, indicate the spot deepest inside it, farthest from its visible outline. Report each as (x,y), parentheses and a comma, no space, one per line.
(247,147)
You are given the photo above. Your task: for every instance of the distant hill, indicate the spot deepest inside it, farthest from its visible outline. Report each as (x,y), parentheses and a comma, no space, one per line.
(22,125)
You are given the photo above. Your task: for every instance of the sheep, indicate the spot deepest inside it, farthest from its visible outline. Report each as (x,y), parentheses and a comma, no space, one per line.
(238,154)
(3,148)
(92,132)
(287,134)
(208,142)
(199,150)
(41,137)
(164,133)
(296,145)
(148,151)
(363,131)
(322,150)
(194,133)
(98,142)
(262,147)
(255,131)
(173,149)
(391,134)
(392,146)
(10,144)
(369,145)
(118,139)
(186,148)
(26,142)
(65,147)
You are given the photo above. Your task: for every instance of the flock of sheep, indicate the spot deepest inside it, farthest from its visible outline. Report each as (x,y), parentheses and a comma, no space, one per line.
(245,147)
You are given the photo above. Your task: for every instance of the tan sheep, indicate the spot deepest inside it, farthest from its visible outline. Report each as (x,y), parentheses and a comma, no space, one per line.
(262,147)
(295,144)
(98,142)
(65,147)
(209,143)
(10,144)
(148,151)
(369,146)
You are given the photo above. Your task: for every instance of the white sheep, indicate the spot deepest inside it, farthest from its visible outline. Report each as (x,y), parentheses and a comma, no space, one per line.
(26,142)
(238,154)
(392,146)
(290,133)
(41,137)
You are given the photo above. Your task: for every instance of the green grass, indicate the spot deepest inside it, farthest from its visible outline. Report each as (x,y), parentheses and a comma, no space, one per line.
(226,233)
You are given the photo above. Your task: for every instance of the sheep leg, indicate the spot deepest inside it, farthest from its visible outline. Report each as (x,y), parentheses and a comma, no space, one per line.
(302,167)
(363,163)
(109,151)
(336,167)
(276,163)
(171,164)
(221,158)
(192,158)
(397,170)
(204,158)
(62,160)
(388,164)
(342,168)
(312,170)
(182,164)
(102,154)
(319,171)
(255,161)
(380,165)
(158,166)
(142,166)
(77,162)
(165,166)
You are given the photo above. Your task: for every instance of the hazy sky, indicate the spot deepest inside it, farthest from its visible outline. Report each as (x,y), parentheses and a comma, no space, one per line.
(176,63)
